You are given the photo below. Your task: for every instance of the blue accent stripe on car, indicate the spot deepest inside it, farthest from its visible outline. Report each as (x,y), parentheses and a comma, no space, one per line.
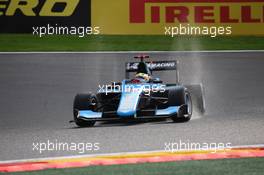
(90,114)
(129,100)
(168,111)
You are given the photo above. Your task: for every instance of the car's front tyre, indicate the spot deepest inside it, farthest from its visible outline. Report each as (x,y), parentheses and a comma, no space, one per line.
(83,102)
(181,97)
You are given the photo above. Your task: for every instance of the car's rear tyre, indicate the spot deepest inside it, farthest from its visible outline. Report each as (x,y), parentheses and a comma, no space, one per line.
(181,97)
(83,102)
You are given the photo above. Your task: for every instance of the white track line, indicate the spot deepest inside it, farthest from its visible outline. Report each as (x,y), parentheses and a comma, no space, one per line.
(112,52)
(109,154)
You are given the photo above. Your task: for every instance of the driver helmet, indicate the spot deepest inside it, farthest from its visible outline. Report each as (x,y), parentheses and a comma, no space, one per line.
(143,76)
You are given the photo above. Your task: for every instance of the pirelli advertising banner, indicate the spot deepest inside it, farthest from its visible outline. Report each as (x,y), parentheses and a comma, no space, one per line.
(20,16)
(232,17)
(131,17)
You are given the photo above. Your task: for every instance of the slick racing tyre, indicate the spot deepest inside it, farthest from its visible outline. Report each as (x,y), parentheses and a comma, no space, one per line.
(83,102)
(181,97)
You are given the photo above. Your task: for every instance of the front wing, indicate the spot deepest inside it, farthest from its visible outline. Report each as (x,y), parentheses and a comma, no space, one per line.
(99,116)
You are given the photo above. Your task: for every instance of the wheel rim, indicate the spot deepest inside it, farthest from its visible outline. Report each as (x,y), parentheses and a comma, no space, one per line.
(189,104)
(93,102)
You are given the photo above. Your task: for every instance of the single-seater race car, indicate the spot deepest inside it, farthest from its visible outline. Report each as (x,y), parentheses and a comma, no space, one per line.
(140,97)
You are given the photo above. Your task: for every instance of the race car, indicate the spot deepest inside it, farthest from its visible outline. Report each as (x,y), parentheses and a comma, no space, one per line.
(140,97)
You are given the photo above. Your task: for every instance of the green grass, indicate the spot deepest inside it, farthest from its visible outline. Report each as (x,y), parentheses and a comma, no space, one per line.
(252,166)
(28,42)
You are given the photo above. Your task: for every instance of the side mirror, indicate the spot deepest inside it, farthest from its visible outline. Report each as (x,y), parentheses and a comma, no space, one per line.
(156,80)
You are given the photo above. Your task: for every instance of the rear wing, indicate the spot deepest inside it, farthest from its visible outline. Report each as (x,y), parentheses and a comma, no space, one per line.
(155,66)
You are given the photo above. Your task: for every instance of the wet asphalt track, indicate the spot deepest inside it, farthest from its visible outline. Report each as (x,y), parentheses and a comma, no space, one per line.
(37,90)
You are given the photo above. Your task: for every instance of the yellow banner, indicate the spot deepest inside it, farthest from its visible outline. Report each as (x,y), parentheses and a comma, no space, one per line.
(153,17)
